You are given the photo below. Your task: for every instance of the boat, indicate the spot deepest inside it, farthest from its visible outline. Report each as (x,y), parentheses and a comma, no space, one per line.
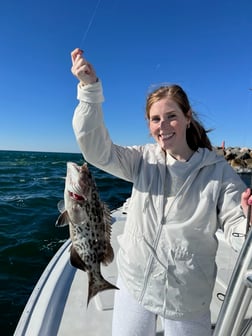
(58,302)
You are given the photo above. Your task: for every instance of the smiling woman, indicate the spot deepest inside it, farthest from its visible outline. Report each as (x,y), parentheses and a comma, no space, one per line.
(173,124)
(168,247)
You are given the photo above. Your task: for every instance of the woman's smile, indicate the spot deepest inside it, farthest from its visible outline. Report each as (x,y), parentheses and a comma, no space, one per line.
(167,136)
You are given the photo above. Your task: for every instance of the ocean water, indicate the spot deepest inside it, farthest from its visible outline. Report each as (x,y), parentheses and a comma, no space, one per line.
(31,185)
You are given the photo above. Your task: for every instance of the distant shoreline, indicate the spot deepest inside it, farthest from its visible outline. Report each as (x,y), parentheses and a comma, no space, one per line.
(239,158)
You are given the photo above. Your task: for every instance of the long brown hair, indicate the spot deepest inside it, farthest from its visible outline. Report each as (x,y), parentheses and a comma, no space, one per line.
(196,135)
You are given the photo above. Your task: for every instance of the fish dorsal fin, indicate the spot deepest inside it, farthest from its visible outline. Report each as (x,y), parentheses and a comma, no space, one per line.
(107,220)
(109,253)
(63,220)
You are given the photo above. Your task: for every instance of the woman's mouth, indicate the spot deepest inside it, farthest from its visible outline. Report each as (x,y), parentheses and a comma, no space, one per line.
(166,136)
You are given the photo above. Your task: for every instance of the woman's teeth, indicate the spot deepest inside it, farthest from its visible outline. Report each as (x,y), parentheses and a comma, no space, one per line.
(166,136)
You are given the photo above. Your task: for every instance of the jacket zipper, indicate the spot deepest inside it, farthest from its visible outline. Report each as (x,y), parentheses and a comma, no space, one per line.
(148,268)
(151,258)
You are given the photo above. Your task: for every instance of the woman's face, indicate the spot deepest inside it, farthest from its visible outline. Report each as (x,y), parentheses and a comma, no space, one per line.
(168,126)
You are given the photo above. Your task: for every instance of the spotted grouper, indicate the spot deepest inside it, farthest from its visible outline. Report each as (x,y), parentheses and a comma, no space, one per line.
(89,223)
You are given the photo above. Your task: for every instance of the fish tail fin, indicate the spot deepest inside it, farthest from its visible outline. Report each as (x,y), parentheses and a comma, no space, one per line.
(97,284)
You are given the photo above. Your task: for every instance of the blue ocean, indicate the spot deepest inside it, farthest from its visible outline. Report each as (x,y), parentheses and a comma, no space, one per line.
(31,185)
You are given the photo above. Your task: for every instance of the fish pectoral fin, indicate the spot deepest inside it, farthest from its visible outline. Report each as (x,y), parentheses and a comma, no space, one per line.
(61,206)
(63,220)
(76,260)
(108,255)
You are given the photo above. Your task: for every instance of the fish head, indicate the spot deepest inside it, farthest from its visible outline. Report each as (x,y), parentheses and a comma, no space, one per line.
(79,181)
(78,191)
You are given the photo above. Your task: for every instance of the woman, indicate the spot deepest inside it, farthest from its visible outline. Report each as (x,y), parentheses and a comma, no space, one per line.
(182,193)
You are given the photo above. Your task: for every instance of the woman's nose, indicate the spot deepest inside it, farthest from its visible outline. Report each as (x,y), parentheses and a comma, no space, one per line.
(164,124)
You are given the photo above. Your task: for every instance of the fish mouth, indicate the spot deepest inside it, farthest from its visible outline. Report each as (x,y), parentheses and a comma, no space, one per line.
(72,181)
(76,197)
(76,185)
(73,167)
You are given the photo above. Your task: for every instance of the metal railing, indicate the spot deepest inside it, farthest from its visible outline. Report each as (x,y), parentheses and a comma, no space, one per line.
(232,318)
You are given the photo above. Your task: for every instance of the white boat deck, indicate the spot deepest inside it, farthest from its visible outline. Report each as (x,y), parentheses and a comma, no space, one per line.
(58,304)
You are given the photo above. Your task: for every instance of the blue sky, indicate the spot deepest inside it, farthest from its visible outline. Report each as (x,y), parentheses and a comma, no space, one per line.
(204,46)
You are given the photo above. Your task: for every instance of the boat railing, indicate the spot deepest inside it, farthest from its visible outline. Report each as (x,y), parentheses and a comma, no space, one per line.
(232,319)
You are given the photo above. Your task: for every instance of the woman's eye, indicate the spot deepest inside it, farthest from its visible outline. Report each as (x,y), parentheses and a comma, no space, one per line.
(155,119)
(171,116)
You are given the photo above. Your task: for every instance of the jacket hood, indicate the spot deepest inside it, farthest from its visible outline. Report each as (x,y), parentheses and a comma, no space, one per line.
(207,157)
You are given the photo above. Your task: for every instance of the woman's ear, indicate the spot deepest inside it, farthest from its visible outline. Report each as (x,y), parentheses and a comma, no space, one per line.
(189,117)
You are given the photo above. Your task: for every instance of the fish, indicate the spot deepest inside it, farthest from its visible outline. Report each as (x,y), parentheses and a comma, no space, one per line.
(90,226)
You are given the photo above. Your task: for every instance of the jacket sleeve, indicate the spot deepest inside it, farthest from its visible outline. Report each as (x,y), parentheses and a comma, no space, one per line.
(94,140)
(231,216)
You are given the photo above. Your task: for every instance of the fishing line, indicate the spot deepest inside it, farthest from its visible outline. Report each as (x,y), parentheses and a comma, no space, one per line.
(90,23)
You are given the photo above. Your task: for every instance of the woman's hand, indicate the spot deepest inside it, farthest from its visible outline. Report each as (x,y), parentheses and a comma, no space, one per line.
(246,200)
(81,69)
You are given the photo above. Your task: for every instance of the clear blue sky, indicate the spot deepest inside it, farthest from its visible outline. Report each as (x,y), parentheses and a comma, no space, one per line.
(204,46)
